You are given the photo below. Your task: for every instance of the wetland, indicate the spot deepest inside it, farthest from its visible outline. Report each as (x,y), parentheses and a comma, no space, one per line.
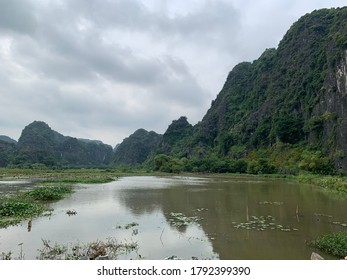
(158,217)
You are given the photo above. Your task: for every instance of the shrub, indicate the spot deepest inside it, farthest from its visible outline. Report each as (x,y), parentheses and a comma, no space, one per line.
(261,166)
(49,193)
(334,244)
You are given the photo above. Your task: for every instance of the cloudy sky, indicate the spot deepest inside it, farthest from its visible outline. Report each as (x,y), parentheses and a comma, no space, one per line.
(101,69)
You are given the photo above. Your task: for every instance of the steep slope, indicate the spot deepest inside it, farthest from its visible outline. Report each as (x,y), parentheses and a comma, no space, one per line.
(136,148)
(7,152)
(294,93)
(174,141)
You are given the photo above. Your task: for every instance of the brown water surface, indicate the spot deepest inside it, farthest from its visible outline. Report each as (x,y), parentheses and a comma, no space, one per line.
(225,218)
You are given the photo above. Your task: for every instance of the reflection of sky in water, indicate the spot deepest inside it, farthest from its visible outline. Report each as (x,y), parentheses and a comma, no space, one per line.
(12,186)
(104,210)
(101,214)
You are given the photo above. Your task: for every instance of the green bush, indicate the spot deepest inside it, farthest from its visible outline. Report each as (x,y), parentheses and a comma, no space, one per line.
(316,163)
(164,163)
(49,193)
(261,166)
(334,244)
(10,208)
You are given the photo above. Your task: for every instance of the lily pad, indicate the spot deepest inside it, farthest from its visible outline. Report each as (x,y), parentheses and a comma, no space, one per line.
(179,219)
(262,223)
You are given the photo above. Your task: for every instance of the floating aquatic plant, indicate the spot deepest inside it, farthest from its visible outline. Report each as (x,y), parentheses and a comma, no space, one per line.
(277,203)
(127,226)
(179,219)
(262,223)
(342,224)
(201,209)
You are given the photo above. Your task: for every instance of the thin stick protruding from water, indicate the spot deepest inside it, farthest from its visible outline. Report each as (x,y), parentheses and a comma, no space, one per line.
(247,214)
(161,236)
(297,213)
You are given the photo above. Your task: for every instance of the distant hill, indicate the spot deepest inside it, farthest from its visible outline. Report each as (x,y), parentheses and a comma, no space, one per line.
(7,150)
(7,139)
(286,111)
(136,148)
(39,144)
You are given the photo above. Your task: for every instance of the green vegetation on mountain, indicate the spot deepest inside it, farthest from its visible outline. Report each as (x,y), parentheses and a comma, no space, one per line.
(135,149)
(7,153)
(7,139)
(284,112)
(39,146)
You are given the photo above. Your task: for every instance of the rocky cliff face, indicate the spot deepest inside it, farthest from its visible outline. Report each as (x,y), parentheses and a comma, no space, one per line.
(332,109)
(289,94)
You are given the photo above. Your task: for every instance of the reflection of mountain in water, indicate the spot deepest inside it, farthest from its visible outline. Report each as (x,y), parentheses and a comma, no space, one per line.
(220,205)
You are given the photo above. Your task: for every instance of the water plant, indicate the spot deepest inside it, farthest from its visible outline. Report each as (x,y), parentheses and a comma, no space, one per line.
(109,249)
(333,243)
(276,203)
(130,225)
(262,223)
(71,212)
(179,219)
(29,204)
(12,211)
(49,193)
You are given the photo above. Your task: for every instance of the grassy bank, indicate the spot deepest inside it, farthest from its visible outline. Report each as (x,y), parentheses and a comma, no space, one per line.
(71,176)
(27,205)
(333,183)
(52,185)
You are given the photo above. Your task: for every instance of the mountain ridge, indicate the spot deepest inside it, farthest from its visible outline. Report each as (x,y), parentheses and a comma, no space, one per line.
(40,145)
(291,98)
(284,112)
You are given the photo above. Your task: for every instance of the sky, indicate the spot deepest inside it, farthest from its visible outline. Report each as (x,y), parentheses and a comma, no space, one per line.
(103,69)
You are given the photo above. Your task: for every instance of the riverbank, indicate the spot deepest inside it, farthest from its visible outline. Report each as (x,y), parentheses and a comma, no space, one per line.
(48,186)
(97,176)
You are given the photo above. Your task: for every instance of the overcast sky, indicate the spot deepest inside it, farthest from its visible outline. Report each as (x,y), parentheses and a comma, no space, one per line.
(100,69)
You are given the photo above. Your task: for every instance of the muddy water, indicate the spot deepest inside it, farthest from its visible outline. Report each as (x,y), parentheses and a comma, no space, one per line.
(225,218)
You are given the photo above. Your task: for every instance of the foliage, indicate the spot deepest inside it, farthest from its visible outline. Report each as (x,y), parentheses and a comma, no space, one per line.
(335,183)
(334,244)
(289,129)
(180,220)
(261,166)
(14,210)
(316,163)
(11,207)
(49,193)
(87,179)
(164,163)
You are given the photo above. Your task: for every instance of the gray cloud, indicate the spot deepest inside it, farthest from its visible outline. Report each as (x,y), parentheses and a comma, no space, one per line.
(17,15)
(102,69)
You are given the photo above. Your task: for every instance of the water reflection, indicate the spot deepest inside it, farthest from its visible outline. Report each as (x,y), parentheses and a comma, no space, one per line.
(219,206)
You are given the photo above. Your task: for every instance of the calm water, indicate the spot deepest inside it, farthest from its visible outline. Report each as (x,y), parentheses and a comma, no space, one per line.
(233,218)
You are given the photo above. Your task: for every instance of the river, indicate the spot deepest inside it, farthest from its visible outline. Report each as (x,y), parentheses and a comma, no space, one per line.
(204,218)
